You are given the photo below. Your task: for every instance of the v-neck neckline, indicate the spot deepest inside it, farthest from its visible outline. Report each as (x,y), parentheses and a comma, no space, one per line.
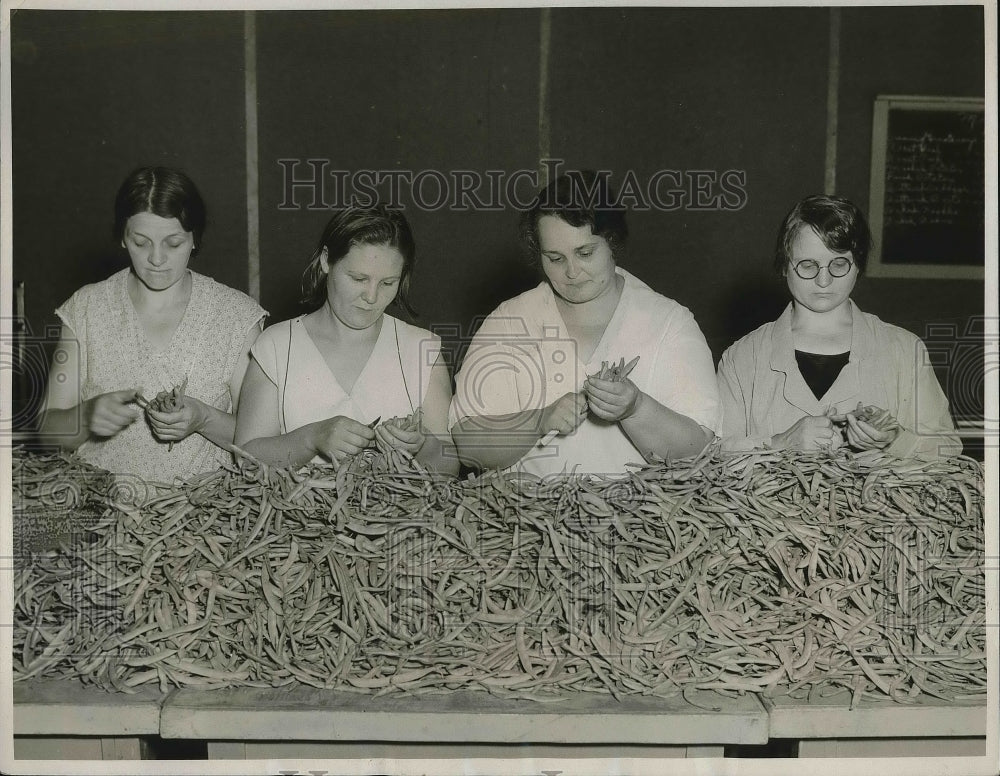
(612,321)
(796,391)
(136,322)
(364,369)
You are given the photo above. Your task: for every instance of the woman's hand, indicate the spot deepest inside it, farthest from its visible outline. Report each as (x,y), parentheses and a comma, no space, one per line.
(174,426)
(109,413)
(612,400)
(809,433)
(398,438)
(565,414)
(864,436)
(340,437)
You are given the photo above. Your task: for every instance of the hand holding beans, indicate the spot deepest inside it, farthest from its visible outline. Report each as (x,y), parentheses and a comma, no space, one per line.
(870,428)
(612,400)
(172,415)
(565,414)
(403,434)
(340,437)
(610,394)
(809,433)
(175,425)
(109,413)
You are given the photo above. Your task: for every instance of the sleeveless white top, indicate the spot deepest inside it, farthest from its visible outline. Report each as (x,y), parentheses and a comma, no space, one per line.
(392,383)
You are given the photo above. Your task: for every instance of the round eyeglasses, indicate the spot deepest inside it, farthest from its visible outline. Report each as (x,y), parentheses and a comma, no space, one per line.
(807,269)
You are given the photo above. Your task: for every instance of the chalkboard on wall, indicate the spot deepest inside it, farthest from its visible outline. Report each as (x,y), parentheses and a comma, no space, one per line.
(928,188)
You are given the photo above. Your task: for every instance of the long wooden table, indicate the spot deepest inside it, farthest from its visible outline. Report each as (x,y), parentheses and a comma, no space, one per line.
(827,726)
(307,722)
(67,720)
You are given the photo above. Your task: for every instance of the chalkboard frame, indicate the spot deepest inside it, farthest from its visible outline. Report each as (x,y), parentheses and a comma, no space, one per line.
(884,104)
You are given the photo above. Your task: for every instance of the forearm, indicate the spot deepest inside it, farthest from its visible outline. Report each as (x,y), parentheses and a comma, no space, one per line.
(64,427)
(290,450)
(498,441)
(439,455)
(659,430)
(219,427)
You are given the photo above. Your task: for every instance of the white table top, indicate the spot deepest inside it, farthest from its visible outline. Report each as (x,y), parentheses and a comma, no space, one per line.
(304,713)
(832,717)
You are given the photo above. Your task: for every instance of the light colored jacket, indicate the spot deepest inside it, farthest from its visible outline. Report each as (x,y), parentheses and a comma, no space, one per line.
(763,393)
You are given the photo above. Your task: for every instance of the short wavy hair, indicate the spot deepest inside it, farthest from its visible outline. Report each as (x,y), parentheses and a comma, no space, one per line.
(376,225)
(838,222)
(580,198)
(164,192)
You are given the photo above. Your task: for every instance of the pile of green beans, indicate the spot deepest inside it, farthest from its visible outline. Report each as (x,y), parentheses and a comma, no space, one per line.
(756,572)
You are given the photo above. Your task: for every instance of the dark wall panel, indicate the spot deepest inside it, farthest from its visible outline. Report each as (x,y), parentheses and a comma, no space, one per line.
(399,91)
(933,51)
(710,90)
(96,94)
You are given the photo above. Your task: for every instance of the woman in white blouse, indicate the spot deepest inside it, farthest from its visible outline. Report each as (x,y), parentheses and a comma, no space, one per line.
(318,383)
(527,395)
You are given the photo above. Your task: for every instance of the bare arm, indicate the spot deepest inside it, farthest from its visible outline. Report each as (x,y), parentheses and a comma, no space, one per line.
(258,430)
(655,429)
(499,441)
(66,418)
(438,451)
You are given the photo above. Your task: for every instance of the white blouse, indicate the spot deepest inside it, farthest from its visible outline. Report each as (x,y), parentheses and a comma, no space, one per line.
(522,358)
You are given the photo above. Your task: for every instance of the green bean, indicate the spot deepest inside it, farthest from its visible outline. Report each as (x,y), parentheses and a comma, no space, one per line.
(739,573)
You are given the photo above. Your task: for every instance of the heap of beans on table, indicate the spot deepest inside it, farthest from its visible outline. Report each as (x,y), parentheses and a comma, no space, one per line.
(756,572)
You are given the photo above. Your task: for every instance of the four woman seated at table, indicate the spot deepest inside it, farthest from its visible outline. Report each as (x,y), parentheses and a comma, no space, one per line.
(530,395)
(794,382)
(318,384)
(531,368)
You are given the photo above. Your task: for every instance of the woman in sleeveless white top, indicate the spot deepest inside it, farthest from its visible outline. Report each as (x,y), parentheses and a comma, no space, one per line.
(318,384)
(145,329)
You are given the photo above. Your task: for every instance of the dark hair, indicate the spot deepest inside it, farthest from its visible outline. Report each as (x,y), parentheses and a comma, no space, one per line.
(377,225)
(580,198)
(837,222)
(164,192)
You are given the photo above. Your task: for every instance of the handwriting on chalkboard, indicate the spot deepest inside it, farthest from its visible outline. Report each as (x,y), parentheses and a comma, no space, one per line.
(934,176)
(928,195)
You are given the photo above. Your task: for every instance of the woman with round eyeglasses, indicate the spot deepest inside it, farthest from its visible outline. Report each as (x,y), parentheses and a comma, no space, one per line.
(797,381)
